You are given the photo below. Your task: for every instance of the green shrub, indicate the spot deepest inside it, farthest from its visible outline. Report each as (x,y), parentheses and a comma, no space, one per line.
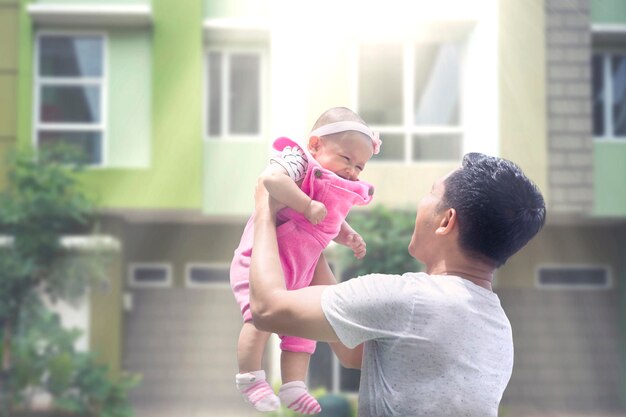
(387,234)
(45,359)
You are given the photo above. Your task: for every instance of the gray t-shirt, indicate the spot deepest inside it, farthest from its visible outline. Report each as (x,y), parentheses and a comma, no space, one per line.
(434,345)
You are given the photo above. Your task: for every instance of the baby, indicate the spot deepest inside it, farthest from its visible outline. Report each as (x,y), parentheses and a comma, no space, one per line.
(318,184)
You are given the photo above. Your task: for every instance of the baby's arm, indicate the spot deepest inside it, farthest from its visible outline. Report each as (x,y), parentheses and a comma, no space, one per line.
(348,237)
(282,188)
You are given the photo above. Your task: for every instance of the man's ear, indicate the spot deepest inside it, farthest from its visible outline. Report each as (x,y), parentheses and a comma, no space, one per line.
(447,223)
(314,144)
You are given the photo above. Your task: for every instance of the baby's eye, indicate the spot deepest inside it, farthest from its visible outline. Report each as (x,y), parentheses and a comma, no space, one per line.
(359,167)
(346,158)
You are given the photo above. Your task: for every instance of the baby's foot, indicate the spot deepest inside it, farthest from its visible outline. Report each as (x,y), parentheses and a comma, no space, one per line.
(256,391)
(295,396)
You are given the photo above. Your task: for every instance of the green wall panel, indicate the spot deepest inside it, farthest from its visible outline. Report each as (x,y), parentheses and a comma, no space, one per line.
(9,31)
(608,11)
(236,8)
(8,102)
(25,77)
(177,100)
(154,117)
(610,178)
(231,171)
(98,2)
(129,131)
(8,37)
(173,179)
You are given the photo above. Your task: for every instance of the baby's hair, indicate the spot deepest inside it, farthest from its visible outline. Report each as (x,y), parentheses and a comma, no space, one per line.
(337,114)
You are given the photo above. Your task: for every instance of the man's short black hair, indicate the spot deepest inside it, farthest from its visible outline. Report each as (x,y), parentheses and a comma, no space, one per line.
(498,208)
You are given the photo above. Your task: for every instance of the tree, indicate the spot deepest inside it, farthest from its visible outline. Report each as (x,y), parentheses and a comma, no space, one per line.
(42,202)
(387,234)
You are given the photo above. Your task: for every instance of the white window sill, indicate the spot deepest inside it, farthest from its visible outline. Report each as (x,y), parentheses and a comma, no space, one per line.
(91,15)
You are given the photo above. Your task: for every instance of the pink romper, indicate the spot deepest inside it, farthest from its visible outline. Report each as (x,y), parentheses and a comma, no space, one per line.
(300,243)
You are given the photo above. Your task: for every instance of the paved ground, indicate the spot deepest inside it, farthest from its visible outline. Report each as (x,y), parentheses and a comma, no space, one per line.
(197,412)
(178,412)
(251,413)
(560,414)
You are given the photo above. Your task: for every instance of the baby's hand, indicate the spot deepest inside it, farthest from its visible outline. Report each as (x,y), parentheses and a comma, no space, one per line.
(315,212)
(353,241)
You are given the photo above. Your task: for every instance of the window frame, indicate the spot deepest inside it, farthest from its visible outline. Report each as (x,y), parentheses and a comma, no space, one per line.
(39,82)
(606,52)
(575,287)
(133,266)
(408,128)
(229,51)
(210,265)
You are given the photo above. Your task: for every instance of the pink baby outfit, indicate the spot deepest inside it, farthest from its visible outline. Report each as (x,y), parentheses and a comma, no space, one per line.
(300,243)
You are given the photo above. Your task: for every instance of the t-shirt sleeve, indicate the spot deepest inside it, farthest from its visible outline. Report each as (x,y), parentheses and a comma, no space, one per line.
(367,308)
(293,160)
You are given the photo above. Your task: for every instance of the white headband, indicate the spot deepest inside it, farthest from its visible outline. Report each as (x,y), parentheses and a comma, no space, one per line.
(345,125)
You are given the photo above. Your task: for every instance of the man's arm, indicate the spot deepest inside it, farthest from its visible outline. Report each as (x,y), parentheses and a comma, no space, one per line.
(349,358)
(274,309)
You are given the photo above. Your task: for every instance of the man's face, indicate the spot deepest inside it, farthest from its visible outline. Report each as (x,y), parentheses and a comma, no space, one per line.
(427,221)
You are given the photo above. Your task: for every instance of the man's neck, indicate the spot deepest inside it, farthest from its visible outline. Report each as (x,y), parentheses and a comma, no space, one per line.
(477,272)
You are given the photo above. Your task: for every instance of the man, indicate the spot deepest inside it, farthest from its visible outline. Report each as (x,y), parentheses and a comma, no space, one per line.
(428,344)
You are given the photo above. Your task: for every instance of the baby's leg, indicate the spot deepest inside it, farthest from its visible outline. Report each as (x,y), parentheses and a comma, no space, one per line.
(250,347)
(294,366)
(251,378)
(293,393)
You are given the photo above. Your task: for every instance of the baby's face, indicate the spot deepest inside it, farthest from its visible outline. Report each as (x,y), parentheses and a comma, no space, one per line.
(345,154)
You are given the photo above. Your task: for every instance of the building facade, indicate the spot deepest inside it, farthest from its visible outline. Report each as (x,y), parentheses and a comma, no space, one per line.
(175,106)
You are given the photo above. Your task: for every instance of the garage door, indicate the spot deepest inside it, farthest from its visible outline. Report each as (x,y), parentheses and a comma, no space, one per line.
(567,350)
(183,342)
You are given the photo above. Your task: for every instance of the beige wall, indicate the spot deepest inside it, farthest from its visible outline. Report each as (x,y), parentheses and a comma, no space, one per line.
(567,245)
(402,186)
(105,327)
(181,244)
(8,78)
(522,88)
(169,243)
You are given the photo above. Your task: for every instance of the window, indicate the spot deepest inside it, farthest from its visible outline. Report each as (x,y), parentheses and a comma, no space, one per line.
(149,274)
(609,95)
(326,371)
(411,93)
(69,86)
(233,94)
(207,275)
(574,277)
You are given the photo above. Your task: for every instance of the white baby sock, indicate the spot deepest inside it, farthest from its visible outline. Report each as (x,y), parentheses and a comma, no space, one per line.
(295,396)
(256,391)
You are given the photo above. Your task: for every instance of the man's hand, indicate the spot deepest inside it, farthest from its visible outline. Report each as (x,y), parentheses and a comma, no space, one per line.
(262,198)
(315,212)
